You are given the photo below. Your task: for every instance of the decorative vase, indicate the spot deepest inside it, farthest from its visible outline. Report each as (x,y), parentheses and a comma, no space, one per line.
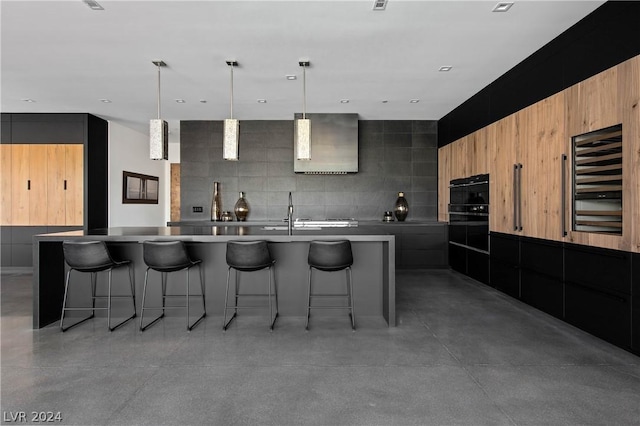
(241,208)
(402,207)
(216,204)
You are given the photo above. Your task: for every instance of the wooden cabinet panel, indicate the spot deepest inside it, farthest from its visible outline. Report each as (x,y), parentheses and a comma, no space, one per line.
(593,103)
(444,176)
(20,184)
(55,184)
(629,96)
(37,185)
(74,177)
(459,160)
(501,139)
(38,175)
(5,184)
(477,152)
(541,139)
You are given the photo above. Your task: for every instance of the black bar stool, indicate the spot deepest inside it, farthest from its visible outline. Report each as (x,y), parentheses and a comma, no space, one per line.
(165,257)
(249,256)
(331,256)
(93,257)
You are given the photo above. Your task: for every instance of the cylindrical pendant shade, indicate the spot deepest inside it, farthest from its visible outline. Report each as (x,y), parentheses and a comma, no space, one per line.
(302,134)
(230,142)
(158,139)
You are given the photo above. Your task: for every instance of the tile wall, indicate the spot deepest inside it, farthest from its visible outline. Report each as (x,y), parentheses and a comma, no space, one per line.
(395,155)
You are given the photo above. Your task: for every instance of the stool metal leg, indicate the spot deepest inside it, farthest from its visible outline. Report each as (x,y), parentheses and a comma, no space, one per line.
(306,325)
(204,313)
(225,324)
(144,294)
(275,293)
(109,302)
(350,298)
(64,304)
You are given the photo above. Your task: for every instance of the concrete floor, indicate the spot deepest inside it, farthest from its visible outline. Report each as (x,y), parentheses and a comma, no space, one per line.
(462,354)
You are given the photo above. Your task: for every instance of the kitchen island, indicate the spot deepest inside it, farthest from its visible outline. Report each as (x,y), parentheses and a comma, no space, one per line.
(373,268)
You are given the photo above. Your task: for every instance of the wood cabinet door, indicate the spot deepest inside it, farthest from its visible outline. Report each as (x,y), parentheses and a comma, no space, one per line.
(20,185)
(501,140)
(74,184)
(459,161)
(444,176)
(541,145)
(629,95)
(55,185)
(478,152)
(6,179)
(38,173)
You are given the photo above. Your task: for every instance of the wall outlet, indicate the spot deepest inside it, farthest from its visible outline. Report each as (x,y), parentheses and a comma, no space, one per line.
(198,209)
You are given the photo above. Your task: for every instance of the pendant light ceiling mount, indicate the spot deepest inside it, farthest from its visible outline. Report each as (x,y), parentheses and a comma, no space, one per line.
(158,128)
(302,131)
(231,126)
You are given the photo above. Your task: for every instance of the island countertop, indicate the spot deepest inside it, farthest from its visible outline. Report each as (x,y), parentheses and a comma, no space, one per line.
(373,269)
(274,231)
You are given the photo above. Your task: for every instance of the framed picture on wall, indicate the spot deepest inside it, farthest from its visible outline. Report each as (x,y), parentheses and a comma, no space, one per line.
(139,189)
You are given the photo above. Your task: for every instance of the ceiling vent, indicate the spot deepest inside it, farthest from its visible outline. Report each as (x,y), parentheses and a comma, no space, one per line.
(379,4)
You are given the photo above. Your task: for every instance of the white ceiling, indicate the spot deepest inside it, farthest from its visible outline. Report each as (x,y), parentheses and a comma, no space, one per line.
(66,57)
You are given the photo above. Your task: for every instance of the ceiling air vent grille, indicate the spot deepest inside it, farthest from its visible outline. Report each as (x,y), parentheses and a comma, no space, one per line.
(379,4)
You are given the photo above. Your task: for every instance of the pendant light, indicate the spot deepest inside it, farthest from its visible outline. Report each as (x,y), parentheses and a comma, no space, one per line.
(158,128)
(231,127)
(302,130)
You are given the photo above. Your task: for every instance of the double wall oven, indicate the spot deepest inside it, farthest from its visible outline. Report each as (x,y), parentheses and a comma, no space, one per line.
(469,226)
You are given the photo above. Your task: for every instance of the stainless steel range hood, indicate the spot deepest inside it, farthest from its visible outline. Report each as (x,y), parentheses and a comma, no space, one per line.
(334,145)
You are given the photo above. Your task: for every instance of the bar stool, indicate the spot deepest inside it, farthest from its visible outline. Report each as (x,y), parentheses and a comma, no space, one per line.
(331,256)
(93,257)
(166,257)
(249,256)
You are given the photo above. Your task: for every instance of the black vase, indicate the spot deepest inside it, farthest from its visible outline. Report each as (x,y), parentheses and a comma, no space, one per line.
(402,207)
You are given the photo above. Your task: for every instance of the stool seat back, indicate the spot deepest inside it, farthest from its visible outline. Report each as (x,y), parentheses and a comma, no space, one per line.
(166,256)
(249,255)
(330,255)
(87,256)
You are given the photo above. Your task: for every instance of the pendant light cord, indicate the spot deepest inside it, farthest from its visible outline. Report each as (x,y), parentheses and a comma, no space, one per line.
(231,91)
(304,91)
(158,92)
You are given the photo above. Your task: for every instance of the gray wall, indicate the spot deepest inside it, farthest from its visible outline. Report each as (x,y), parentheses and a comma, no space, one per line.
(397,155)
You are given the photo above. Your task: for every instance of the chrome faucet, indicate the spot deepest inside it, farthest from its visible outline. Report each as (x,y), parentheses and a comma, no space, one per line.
(290,215)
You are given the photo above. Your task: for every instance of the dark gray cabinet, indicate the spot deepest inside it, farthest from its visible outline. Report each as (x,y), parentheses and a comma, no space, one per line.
(598,292)
(595,289)
(541,270)
(505,263)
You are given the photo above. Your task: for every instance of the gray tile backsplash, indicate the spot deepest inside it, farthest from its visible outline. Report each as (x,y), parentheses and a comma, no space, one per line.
(394,155)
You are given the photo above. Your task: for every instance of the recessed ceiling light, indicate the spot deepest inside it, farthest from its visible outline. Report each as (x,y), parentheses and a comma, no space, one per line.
(414,101)
(28,100)
(379,4)
(105,101)
(445,68)
(503,6)
(94,5)
(344,101)
(291,77)
(180,101)
(262,101)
